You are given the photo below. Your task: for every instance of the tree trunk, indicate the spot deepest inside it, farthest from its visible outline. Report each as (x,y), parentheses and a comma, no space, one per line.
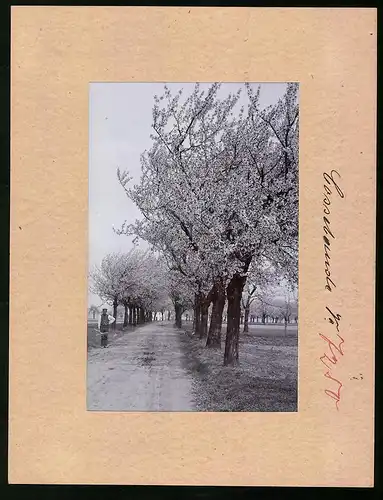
(162,314)
(234,295)
(215,328)
(115,304)
(285,327)
(126,315)
(169,315)
(197,314)
(134,316)
(246,322)
(130,315)
(178,314)
(204,319)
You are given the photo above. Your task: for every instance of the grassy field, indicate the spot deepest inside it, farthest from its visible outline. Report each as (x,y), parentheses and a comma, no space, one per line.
(265,380)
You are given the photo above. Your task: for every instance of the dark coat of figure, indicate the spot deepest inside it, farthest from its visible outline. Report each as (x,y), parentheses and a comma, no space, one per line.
(104,322)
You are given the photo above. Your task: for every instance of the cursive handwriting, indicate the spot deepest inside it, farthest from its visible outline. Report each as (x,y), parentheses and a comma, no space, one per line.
(333,340)
(332,356)
(333,319)
(329,186)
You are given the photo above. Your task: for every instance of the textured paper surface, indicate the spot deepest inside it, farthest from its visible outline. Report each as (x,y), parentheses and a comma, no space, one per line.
(56,53)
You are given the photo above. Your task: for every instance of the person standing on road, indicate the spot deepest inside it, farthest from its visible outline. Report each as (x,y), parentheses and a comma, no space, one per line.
(104,321)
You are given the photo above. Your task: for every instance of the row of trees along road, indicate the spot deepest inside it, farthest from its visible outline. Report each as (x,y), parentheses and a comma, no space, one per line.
(219,200)
(143,284)
(136,280)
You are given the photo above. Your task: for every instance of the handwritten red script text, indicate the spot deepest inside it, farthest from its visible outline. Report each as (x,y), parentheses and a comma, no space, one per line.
(332,356)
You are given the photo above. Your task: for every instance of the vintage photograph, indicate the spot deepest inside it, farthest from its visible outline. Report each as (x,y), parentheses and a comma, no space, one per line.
(193,247)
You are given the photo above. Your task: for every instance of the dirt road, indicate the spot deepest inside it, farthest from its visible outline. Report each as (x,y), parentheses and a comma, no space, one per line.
(141,371)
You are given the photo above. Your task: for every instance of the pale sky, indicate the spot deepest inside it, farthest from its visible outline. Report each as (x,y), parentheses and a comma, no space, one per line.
(120,119)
